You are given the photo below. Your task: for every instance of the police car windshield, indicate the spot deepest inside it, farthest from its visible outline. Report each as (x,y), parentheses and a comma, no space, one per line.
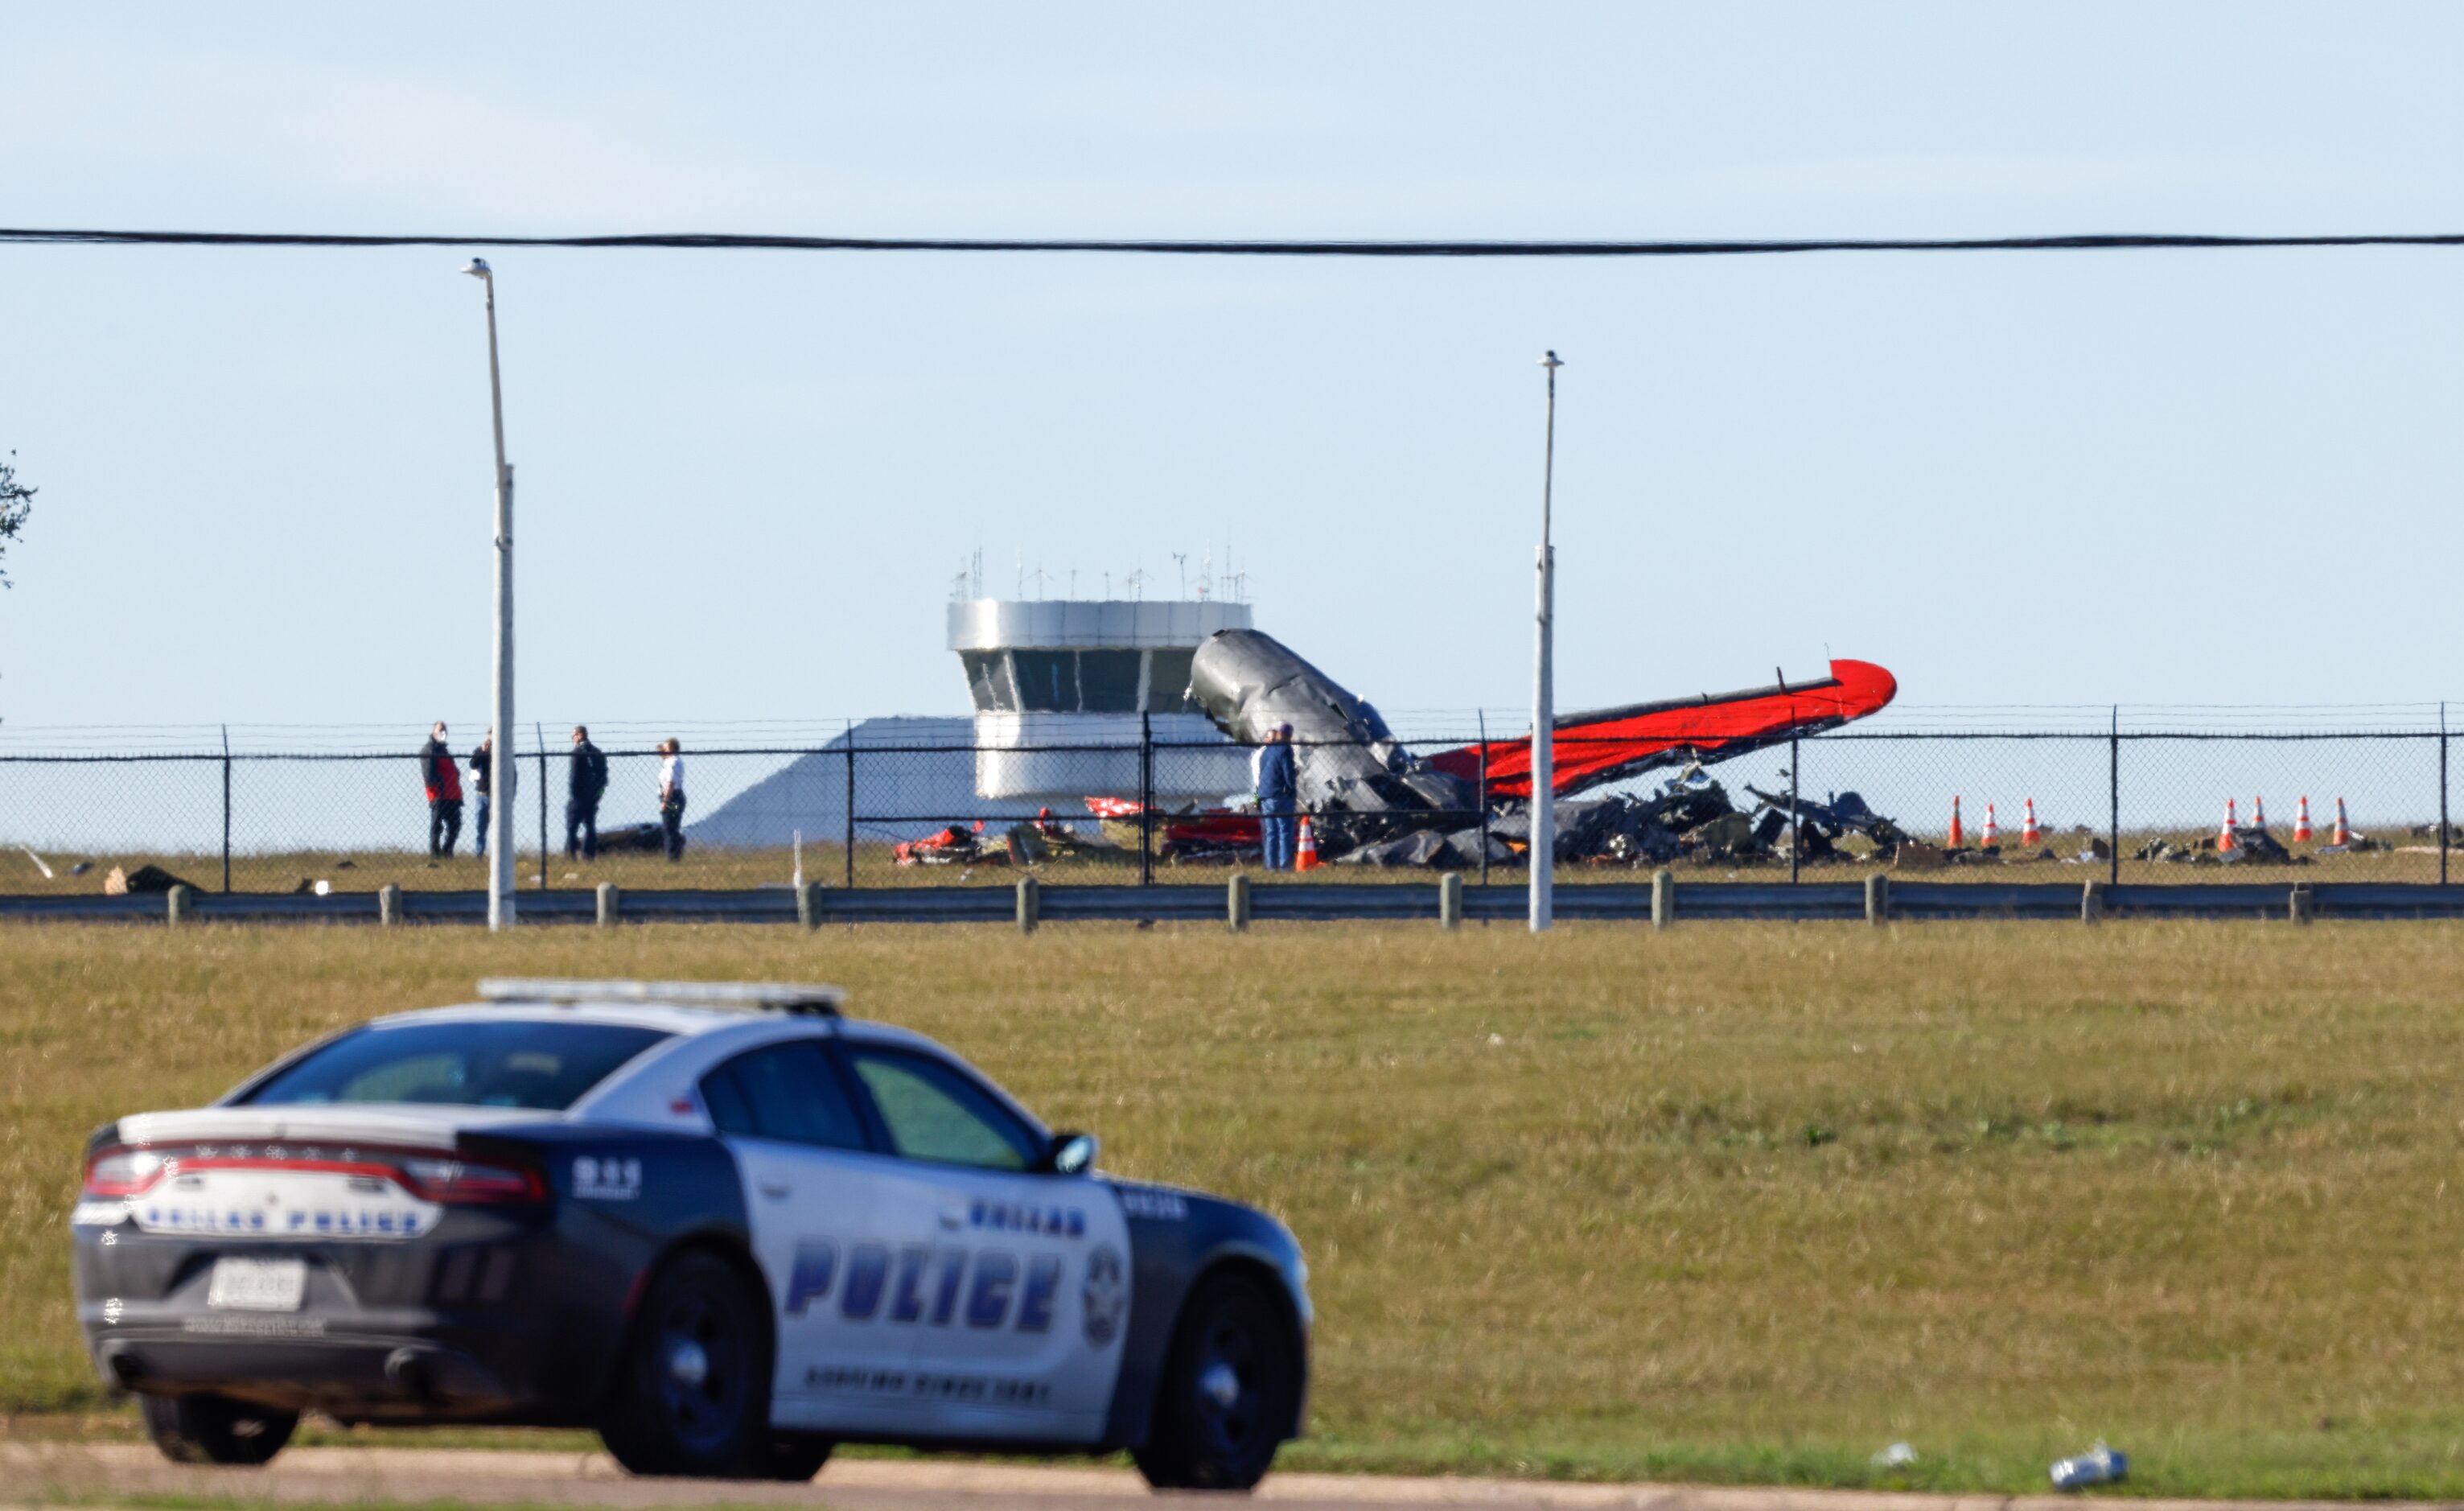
(501,1064)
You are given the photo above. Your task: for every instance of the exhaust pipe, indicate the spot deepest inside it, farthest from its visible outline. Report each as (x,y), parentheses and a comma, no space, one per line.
(407,1367)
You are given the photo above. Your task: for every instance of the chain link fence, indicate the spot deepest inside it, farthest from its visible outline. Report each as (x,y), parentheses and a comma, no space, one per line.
(2134,805)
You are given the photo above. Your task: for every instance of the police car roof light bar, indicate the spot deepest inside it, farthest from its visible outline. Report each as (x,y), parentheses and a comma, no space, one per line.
(728,996)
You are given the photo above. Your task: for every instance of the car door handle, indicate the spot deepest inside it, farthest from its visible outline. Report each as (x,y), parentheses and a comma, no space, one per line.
(777,1190)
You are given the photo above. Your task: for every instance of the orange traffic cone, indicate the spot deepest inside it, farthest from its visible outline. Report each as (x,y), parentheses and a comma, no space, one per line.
(2225,836)
(1958,836)
(1306,857)
(2030,836)
(2302,821)
(1993,835)
(2344,831)
(2257,812)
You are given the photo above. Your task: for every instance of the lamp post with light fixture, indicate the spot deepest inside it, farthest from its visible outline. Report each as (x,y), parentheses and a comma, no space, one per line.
(1544,691)
(500,691)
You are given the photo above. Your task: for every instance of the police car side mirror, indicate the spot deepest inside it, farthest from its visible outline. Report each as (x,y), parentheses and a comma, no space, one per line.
(1070,1154)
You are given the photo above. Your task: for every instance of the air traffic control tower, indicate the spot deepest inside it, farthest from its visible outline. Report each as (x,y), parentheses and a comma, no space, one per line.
(1051,677)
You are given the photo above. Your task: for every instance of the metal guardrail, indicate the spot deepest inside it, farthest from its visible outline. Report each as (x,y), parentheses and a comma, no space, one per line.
(1662,902)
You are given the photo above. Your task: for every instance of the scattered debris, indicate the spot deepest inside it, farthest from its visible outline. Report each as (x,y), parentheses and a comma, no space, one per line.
(346,863)
(648,839)
(1898,1455)
(2098,1466)
(145,879)
(317,888)
(948,847)
(38,864)
(81,868)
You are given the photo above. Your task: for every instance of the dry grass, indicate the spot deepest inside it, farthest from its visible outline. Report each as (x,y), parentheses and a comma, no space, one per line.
(1730,1202)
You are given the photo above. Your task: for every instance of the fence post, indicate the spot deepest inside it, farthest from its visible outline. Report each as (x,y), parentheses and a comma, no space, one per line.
(2442,792)
(390,904)
(539,733)
(1795,835)
(175,905)
(1450,901)
(850,840)
(1236,901)
(2113,814)
(611,904)
(1146,800)
(1483,797)
(1663,900)
(227,809)
(1878,899)
(808,905)
(1028,904)
(2303,903)
(2092,901)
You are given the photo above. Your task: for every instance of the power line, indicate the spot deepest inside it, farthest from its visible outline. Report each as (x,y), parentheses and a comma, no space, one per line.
(726,242)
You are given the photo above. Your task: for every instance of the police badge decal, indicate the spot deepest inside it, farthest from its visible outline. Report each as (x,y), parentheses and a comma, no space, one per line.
(1105,1296)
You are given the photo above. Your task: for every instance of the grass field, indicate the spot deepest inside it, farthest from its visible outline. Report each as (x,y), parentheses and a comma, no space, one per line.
(1731,1202)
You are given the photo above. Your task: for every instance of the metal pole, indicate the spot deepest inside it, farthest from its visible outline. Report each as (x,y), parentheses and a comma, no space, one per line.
(1146,800)
(2113,811)
(501,702)
(227,809)
(1483,798)
(2442,792)
(850,805)
(1543,713)
(1795,835)
(539,733)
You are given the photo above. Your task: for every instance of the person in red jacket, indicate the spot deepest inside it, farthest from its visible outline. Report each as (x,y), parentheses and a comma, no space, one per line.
(443,782)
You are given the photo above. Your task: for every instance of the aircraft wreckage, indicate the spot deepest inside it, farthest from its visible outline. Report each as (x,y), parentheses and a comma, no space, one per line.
(1373,802)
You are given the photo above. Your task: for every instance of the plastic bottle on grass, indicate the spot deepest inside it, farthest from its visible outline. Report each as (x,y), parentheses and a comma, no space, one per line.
(2098,1466)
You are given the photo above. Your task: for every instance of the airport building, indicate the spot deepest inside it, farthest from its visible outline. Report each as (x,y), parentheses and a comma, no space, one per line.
(1056,681)
(1062,690)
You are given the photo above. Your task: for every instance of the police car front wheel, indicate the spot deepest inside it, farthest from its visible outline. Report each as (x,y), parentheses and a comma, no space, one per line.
(216,1430)
(1229,1388)
(692,1390)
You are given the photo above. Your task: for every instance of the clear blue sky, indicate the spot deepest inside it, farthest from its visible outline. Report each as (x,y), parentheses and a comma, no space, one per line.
(748,479)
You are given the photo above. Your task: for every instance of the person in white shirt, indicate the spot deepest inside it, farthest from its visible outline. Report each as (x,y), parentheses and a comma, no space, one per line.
(671,797)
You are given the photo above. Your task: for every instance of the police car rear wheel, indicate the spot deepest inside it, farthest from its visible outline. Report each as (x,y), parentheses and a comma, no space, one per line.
(692,1390)
(216,1430)
(1229,1386)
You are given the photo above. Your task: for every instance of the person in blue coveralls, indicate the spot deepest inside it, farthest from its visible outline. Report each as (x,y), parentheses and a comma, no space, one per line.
(1278,784)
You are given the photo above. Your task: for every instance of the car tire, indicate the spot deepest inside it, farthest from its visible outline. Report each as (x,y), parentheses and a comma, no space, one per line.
(690,1394)
(215,1429)
(1231,1384)
(794,1457)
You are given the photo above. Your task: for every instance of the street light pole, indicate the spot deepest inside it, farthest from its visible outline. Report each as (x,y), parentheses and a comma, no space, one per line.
(500,701)
(1544,690)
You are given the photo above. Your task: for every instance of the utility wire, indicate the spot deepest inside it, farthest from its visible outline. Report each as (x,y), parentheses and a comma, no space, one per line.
(703,242)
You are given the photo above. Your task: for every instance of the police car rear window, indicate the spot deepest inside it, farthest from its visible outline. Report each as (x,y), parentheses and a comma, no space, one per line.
(545,1066)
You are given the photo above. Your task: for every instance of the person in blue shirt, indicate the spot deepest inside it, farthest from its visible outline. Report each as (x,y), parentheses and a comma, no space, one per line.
(1278,785)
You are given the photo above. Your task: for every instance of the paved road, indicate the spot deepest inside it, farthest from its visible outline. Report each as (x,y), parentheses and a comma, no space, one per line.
(334,1476)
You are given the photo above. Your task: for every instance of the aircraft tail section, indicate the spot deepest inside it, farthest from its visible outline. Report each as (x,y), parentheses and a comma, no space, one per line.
(1592,748)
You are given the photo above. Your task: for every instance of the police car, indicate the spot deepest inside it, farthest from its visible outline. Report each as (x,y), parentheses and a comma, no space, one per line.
(719,1223)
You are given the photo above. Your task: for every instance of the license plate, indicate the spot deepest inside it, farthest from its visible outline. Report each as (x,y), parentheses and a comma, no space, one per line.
(258,1285)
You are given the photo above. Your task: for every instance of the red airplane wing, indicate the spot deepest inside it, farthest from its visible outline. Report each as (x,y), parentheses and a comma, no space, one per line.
(1596,747)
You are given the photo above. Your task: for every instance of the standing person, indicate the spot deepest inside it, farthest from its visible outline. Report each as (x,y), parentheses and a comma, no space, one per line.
(1278,785)
(585,782)
(671,797)
(443,782)
(483,764)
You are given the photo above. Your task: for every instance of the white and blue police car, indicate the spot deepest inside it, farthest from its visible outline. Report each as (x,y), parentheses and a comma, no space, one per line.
(720,1223)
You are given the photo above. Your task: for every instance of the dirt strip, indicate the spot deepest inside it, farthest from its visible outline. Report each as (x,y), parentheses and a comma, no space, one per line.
(33,1473)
